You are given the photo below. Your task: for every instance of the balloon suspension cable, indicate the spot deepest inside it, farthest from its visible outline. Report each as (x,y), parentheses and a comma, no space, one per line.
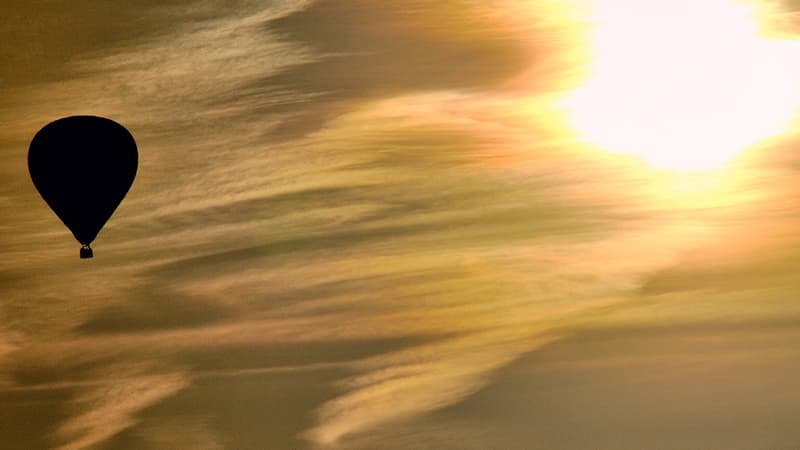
(86,251)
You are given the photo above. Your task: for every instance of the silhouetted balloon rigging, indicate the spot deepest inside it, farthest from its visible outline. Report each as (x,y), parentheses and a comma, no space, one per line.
(83,166)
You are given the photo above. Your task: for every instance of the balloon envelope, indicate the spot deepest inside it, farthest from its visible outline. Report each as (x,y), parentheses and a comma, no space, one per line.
(83,166)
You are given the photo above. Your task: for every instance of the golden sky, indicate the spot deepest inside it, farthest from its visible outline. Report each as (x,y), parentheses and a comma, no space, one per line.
(409,224)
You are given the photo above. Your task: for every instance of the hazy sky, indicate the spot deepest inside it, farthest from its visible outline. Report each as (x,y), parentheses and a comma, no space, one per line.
(409,224)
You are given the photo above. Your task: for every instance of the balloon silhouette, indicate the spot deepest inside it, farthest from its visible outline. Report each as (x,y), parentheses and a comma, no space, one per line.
(83,166)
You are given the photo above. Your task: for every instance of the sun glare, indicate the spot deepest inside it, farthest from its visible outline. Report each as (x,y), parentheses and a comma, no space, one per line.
(684,84)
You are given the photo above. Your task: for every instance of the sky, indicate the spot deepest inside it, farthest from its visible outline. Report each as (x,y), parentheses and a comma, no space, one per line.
(409,224)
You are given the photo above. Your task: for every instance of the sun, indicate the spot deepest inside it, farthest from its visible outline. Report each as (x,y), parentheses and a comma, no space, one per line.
(684,84)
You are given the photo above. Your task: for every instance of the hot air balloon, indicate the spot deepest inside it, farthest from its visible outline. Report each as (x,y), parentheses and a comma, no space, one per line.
(83,166)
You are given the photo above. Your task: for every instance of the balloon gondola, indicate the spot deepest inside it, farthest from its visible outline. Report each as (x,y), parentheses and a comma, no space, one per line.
(83,166)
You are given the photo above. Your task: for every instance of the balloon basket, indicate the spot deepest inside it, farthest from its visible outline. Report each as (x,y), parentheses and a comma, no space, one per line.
(86,252)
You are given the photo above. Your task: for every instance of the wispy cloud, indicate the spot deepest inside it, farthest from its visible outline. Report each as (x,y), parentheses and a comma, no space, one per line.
(111,407)
(415,381)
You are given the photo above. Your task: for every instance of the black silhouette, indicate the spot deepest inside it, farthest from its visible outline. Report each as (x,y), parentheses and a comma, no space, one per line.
(83,166)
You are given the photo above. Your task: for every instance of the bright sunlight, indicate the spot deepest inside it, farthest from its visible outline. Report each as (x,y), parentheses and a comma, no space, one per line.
(684,84)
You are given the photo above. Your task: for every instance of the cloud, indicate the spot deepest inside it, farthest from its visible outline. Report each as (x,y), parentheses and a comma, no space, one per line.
(411,382)
(102,411)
